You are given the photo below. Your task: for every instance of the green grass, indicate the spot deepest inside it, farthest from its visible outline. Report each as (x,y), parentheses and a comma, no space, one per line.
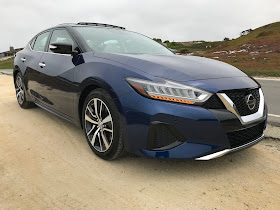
(257,67)
(7,64)
(262,73)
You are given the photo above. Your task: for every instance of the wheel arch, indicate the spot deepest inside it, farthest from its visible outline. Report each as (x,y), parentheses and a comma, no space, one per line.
(15,71)
(91,84)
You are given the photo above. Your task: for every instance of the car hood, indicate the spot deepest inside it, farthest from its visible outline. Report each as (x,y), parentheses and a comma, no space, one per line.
(176,67)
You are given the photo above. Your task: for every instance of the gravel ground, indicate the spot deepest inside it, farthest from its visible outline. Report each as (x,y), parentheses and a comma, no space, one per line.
(45,163)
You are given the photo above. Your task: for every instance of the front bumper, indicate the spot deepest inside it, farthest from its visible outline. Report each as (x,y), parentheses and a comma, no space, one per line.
(201,133)
(226,151)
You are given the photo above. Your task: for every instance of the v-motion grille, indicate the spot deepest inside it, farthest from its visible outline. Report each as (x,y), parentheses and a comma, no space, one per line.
(238,97)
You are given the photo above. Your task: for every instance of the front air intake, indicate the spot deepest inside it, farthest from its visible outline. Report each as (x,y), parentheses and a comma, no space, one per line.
(162,135)
(241,137)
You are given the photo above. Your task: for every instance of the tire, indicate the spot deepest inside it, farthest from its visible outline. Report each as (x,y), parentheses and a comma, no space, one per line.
(104,132)
(21,92)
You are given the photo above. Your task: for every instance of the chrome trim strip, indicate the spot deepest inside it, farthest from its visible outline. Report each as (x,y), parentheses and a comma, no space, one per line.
(259,113)
(228,103)
(225,151)
(243,119)
(214,155)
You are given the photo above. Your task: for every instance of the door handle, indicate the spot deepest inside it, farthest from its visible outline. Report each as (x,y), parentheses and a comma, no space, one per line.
(42,65)
(23,59)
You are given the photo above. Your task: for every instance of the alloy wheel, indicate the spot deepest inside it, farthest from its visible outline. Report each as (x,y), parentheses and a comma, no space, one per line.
(98,125)
(19,90)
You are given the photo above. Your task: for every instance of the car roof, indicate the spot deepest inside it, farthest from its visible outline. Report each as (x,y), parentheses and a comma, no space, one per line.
(90,24)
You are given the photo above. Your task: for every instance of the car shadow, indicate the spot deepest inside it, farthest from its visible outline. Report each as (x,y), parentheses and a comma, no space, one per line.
(178,166)
(153,167)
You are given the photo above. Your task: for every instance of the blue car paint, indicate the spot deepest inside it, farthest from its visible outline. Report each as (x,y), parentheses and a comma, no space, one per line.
(176,67)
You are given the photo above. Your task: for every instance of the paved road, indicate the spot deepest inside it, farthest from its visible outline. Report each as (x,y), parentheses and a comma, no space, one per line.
(271,89)
(6,71)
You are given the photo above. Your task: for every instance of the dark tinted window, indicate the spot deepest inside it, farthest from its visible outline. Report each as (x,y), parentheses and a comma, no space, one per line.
(41,42)
(61,35)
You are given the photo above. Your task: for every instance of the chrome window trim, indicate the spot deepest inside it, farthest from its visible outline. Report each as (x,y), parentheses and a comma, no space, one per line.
(51,32)
(243,119)
(225,151)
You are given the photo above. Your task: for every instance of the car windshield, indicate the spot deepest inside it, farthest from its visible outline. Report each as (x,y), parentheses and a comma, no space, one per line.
(111,40)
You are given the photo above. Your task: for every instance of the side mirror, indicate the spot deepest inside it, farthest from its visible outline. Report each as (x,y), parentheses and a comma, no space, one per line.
(62,48)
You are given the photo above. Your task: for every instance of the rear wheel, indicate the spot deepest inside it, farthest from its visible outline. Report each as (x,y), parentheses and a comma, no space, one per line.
(102,125)
(21,92)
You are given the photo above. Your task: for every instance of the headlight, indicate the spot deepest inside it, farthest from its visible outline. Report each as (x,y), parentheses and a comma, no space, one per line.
(169,91)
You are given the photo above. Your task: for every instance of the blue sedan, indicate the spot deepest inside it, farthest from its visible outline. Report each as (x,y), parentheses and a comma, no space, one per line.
(131,94)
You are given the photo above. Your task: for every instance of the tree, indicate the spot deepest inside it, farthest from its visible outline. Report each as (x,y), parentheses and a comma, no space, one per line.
(157,40)
(166,41)
(226,39)
(246,32)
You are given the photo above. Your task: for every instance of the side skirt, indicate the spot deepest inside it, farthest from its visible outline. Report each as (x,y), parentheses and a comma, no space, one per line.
(45,108)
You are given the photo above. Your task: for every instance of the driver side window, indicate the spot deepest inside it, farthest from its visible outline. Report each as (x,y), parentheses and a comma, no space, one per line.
(61,35)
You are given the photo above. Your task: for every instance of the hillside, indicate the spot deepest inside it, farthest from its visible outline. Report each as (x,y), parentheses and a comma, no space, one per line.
(257,53)
(193,46)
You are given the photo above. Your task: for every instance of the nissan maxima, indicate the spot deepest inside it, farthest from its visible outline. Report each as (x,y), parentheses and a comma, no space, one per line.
(132,94)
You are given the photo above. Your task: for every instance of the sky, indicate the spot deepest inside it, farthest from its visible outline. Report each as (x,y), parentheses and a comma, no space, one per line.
(173,20)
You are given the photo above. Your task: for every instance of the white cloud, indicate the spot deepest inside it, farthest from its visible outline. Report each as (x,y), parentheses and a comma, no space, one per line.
(179,20)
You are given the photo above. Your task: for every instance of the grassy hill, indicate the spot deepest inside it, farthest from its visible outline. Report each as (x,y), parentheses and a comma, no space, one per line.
(7,64)
(257,53)
(194,46)
(268,34)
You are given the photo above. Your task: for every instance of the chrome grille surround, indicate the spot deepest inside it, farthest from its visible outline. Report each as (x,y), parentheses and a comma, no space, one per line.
(248,118)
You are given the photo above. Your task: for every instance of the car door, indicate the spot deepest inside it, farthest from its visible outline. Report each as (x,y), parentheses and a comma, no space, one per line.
(57,74)
(30,58)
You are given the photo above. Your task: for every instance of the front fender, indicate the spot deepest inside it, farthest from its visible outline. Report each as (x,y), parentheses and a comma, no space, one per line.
(94,72)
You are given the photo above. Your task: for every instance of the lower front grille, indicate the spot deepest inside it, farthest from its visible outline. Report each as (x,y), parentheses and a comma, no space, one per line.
(162,135)
(241,137)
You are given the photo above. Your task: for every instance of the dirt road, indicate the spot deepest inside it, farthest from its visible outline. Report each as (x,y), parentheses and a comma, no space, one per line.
(45,163)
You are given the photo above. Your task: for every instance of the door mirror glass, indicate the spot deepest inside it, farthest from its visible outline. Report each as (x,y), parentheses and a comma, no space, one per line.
(61,47)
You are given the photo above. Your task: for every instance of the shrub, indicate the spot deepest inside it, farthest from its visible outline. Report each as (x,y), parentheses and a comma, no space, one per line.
(157,40)
(226,39)
(184,51)
(264,33)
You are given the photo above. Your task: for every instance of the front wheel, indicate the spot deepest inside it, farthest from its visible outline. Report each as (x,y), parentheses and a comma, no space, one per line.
(102,125)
